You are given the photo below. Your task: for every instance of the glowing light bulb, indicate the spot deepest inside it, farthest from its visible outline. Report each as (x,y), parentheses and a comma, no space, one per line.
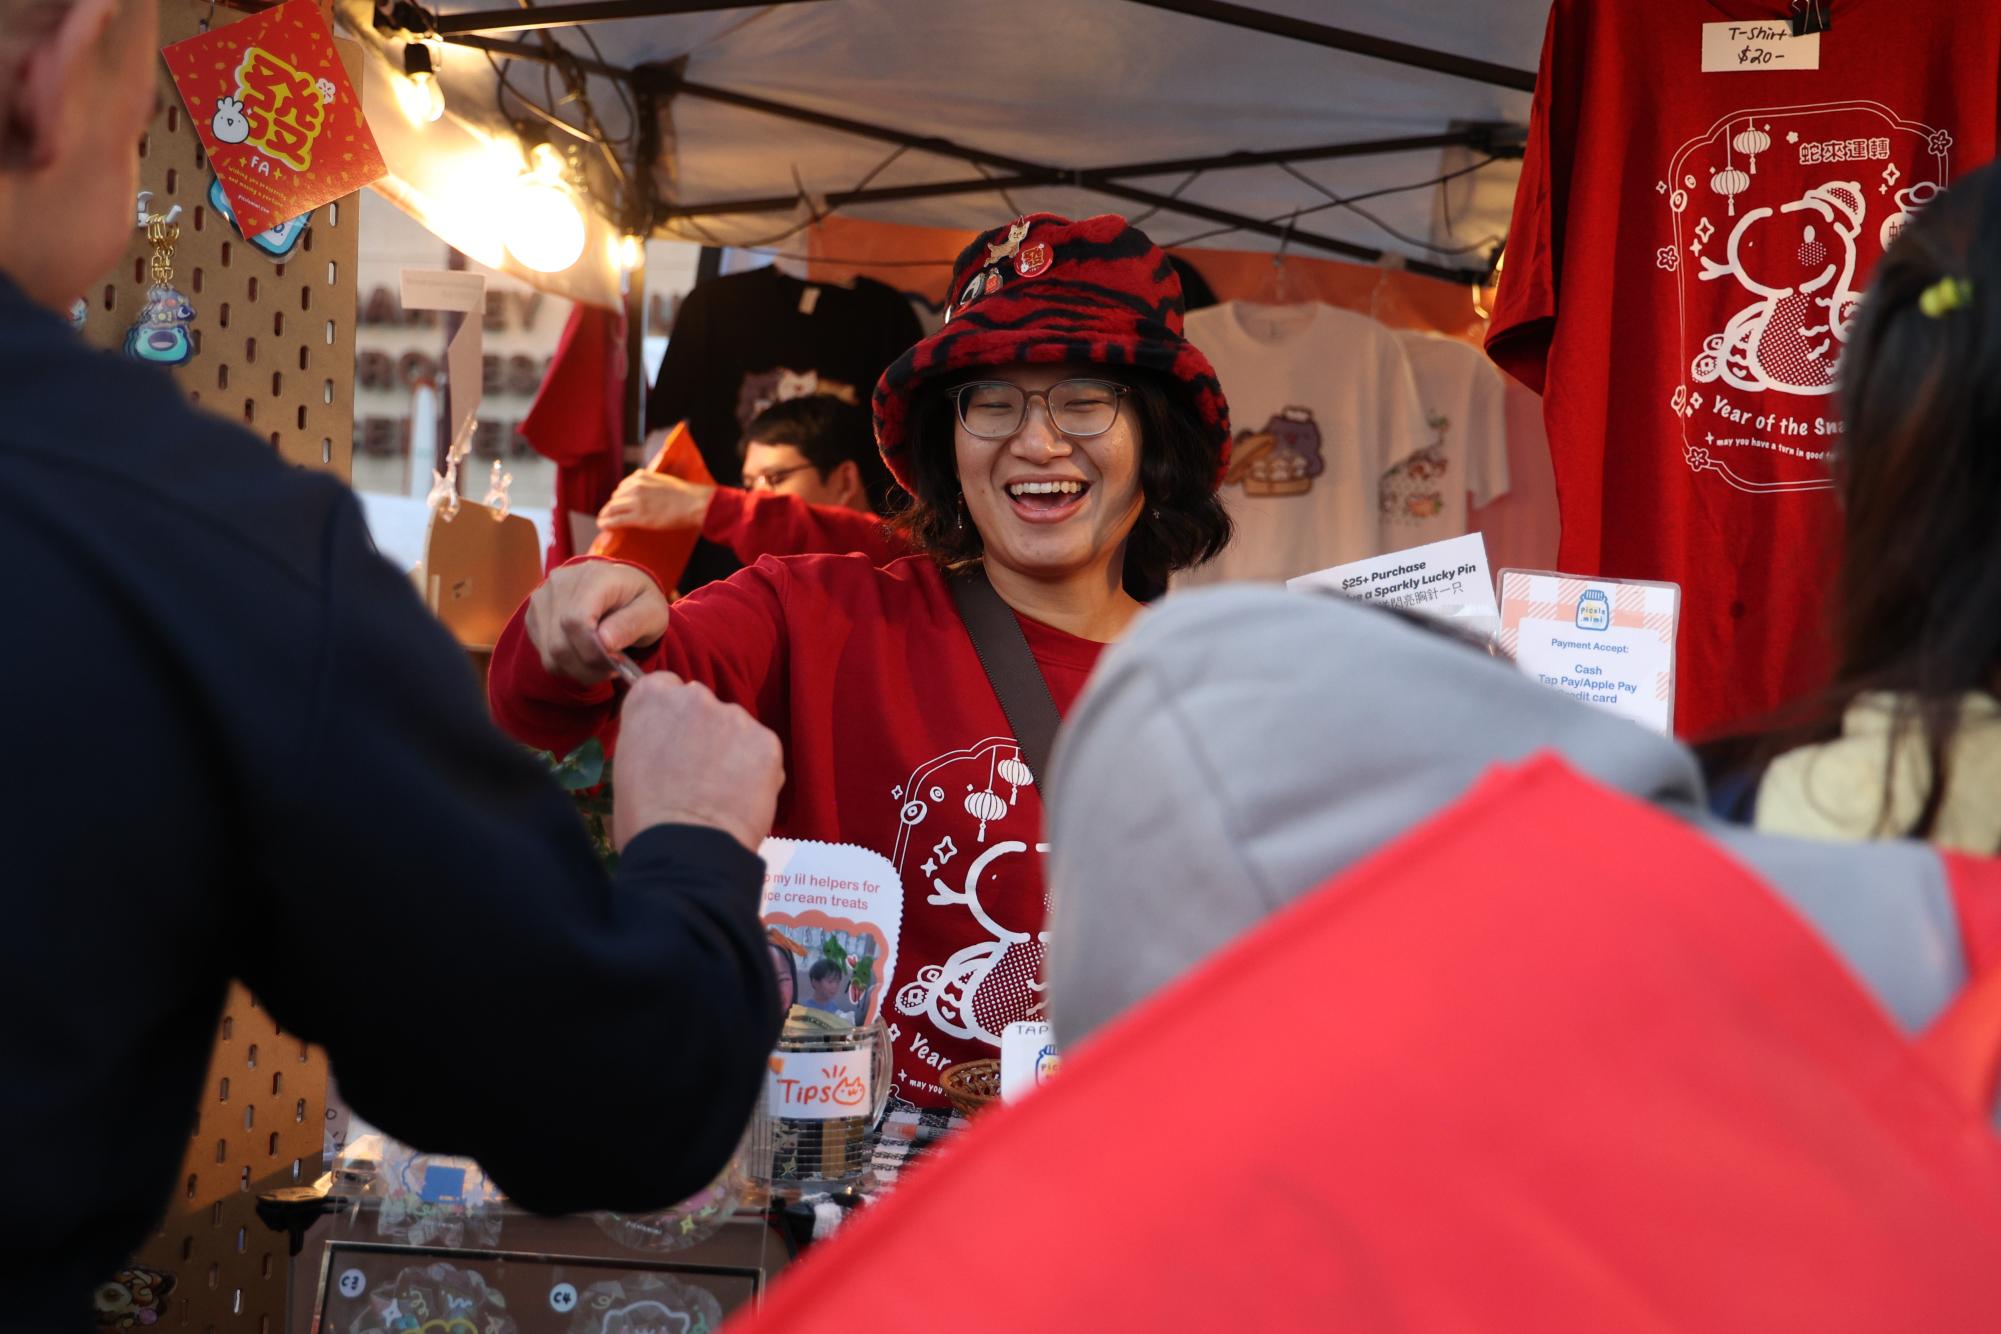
(545,227)
(418,92)
(546,162)
(631,252)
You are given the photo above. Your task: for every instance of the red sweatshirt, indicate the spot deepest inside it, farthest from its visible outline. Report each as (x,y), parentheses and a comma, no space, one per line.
(755,524)
(893,741)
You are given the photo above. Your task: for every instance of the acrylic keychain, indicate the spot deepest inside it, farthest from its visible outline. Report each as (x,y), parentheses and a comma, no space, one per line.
(161,333)
(277,242)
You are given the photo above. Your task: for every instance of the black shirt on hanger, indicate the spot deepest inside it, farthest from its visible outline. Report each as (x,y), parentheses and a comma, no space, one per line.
(747,340)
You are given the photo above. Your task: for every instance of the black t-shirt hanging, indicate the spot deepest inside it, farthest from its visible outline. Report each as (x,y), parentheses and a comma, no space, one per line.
(748,340)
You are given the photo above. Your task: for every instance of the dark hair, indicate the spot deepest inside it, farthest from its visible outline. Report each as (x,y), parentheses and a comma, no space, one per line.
(1181,523)
(828,432)
(1917,609)
(823,969)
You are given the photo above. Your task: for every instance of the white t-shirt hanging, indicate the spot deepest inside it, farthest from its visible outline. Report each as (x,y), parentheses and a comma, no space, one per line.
(1323,403)
(1425,497)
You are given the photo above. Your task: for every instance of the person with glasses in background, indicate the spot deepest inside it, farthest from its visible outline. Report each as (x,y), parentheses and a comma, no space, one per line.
(1058,435)
(812,483)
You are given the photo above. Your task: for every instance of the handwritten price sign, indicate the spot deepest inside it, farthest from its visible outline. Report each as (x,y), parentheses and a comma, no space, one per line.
(1744,47)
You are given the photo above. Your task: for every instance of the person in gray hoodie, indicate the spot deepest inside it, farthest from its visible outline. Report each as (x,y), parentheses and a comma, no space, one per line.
(1241,746)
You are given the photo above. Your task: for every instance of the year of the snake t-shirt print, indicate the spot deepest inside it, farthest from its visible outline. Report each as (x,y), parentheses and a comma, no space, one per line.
(1773,217)
(1683,275)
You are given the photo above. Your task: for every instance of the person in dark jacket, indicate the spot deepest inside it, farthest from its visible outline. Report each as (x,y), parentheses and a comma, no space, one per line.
(240,746)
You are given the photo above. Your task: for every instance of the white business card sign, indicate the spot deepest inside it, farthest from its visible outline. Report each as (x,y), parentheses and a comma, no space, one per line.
(1448,580)
(1028,1059)
(1607,642)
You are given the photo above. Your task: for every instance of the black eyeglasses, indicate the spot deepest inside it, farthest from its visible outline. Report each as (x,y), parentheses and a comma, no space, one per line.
(996,409)
(770,480)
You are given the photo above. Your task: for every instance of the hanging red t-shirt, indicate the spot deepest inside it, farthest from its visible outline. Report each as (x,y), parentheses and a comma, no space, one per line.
(764,523)
(578,420)
(1687,253)
(894,741)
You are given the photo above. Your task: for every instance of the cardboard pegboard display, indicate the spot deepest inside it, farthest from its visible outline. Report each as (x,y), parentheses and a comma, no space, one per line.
(261,1126)
(274,342)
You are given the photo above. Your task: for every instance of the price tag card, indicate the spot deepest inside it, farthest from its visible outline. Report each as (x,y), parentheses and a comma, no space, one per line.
(1608,642)
(1751,46)
(1028,1059)
(276,114)
(1448,580)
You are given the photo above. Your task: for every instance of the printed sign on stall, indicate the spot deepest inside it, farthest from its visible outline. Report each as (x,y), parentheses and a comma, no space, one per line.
(832,915)
(1608,642)
(276,114)
(1028,1059)
(1449,580)
(821,1085)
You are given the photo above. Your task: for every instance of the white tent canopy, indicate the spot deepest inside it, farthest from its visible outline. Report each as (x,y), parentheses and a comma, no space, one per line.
(1033,91)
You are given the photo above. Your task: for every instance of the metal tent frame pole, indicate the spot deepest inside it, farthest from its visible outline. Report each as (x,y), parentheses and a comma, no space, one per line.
(654,83)
(1216,11)
(1027,174)
(589,11)
(1356,43)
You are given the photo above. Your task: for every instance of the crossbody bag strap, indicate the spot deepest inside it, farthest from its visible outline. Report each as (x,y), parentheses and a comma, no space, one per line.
(1010,666)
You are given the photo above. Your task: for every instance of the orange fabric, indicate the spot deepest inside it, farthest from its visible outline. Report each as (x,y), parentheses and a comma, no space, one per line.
(1400,300)
(662,552)
(1553,1063)
(842,248)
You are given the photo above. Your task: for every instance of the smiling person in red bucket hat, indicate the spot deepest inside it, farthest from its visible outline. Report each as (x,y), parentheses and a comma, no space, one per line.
(1058,436)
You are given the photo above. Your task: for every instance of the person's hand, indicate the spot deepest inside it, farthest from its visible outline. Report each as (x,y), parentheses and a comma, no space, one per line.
(654,500)
(685,757)
(584,609)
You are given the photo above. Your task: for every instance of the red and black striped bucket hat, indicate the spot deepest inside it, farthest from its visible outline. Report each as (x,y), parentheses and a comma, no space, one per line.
(1046,290)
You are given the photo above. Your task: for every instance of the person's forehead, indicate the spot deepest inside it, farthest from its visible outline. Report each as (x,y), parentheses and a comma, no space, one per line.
(1041,377)
(774,452)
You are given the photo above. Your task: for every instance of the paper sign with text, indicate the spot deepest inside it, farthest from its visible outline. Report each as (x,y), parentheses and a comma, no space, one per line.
(1028,1059)
(276,114)
(832,915)
(443,289)
(820,1085)
(1608,642)
(1753,45)
(450,289)
(1448,580)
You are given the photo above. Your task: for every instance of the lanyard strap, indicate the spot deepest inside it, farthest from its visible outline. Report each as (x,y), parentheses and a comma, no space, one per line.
(1010,667)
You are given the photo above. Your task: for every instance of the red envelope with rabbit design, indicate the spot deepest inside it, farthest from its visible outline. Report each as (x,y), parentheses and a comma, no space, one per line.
(276,113)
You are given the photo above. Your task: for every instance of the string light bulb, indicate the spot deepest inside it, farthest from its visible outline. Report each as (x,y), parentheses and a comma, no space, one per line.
(631,252)
(418,92)
(545,227)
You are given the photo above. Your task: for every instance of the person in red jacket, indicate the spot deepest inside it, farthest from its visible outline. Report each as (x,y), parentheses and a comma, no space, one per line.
(812,482)
(1058,433)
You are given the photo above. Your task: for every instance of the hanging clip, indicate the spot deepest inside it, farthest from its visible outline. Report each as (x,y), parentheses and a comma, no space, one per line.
(496,491)
(1811,16)
(146,215)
